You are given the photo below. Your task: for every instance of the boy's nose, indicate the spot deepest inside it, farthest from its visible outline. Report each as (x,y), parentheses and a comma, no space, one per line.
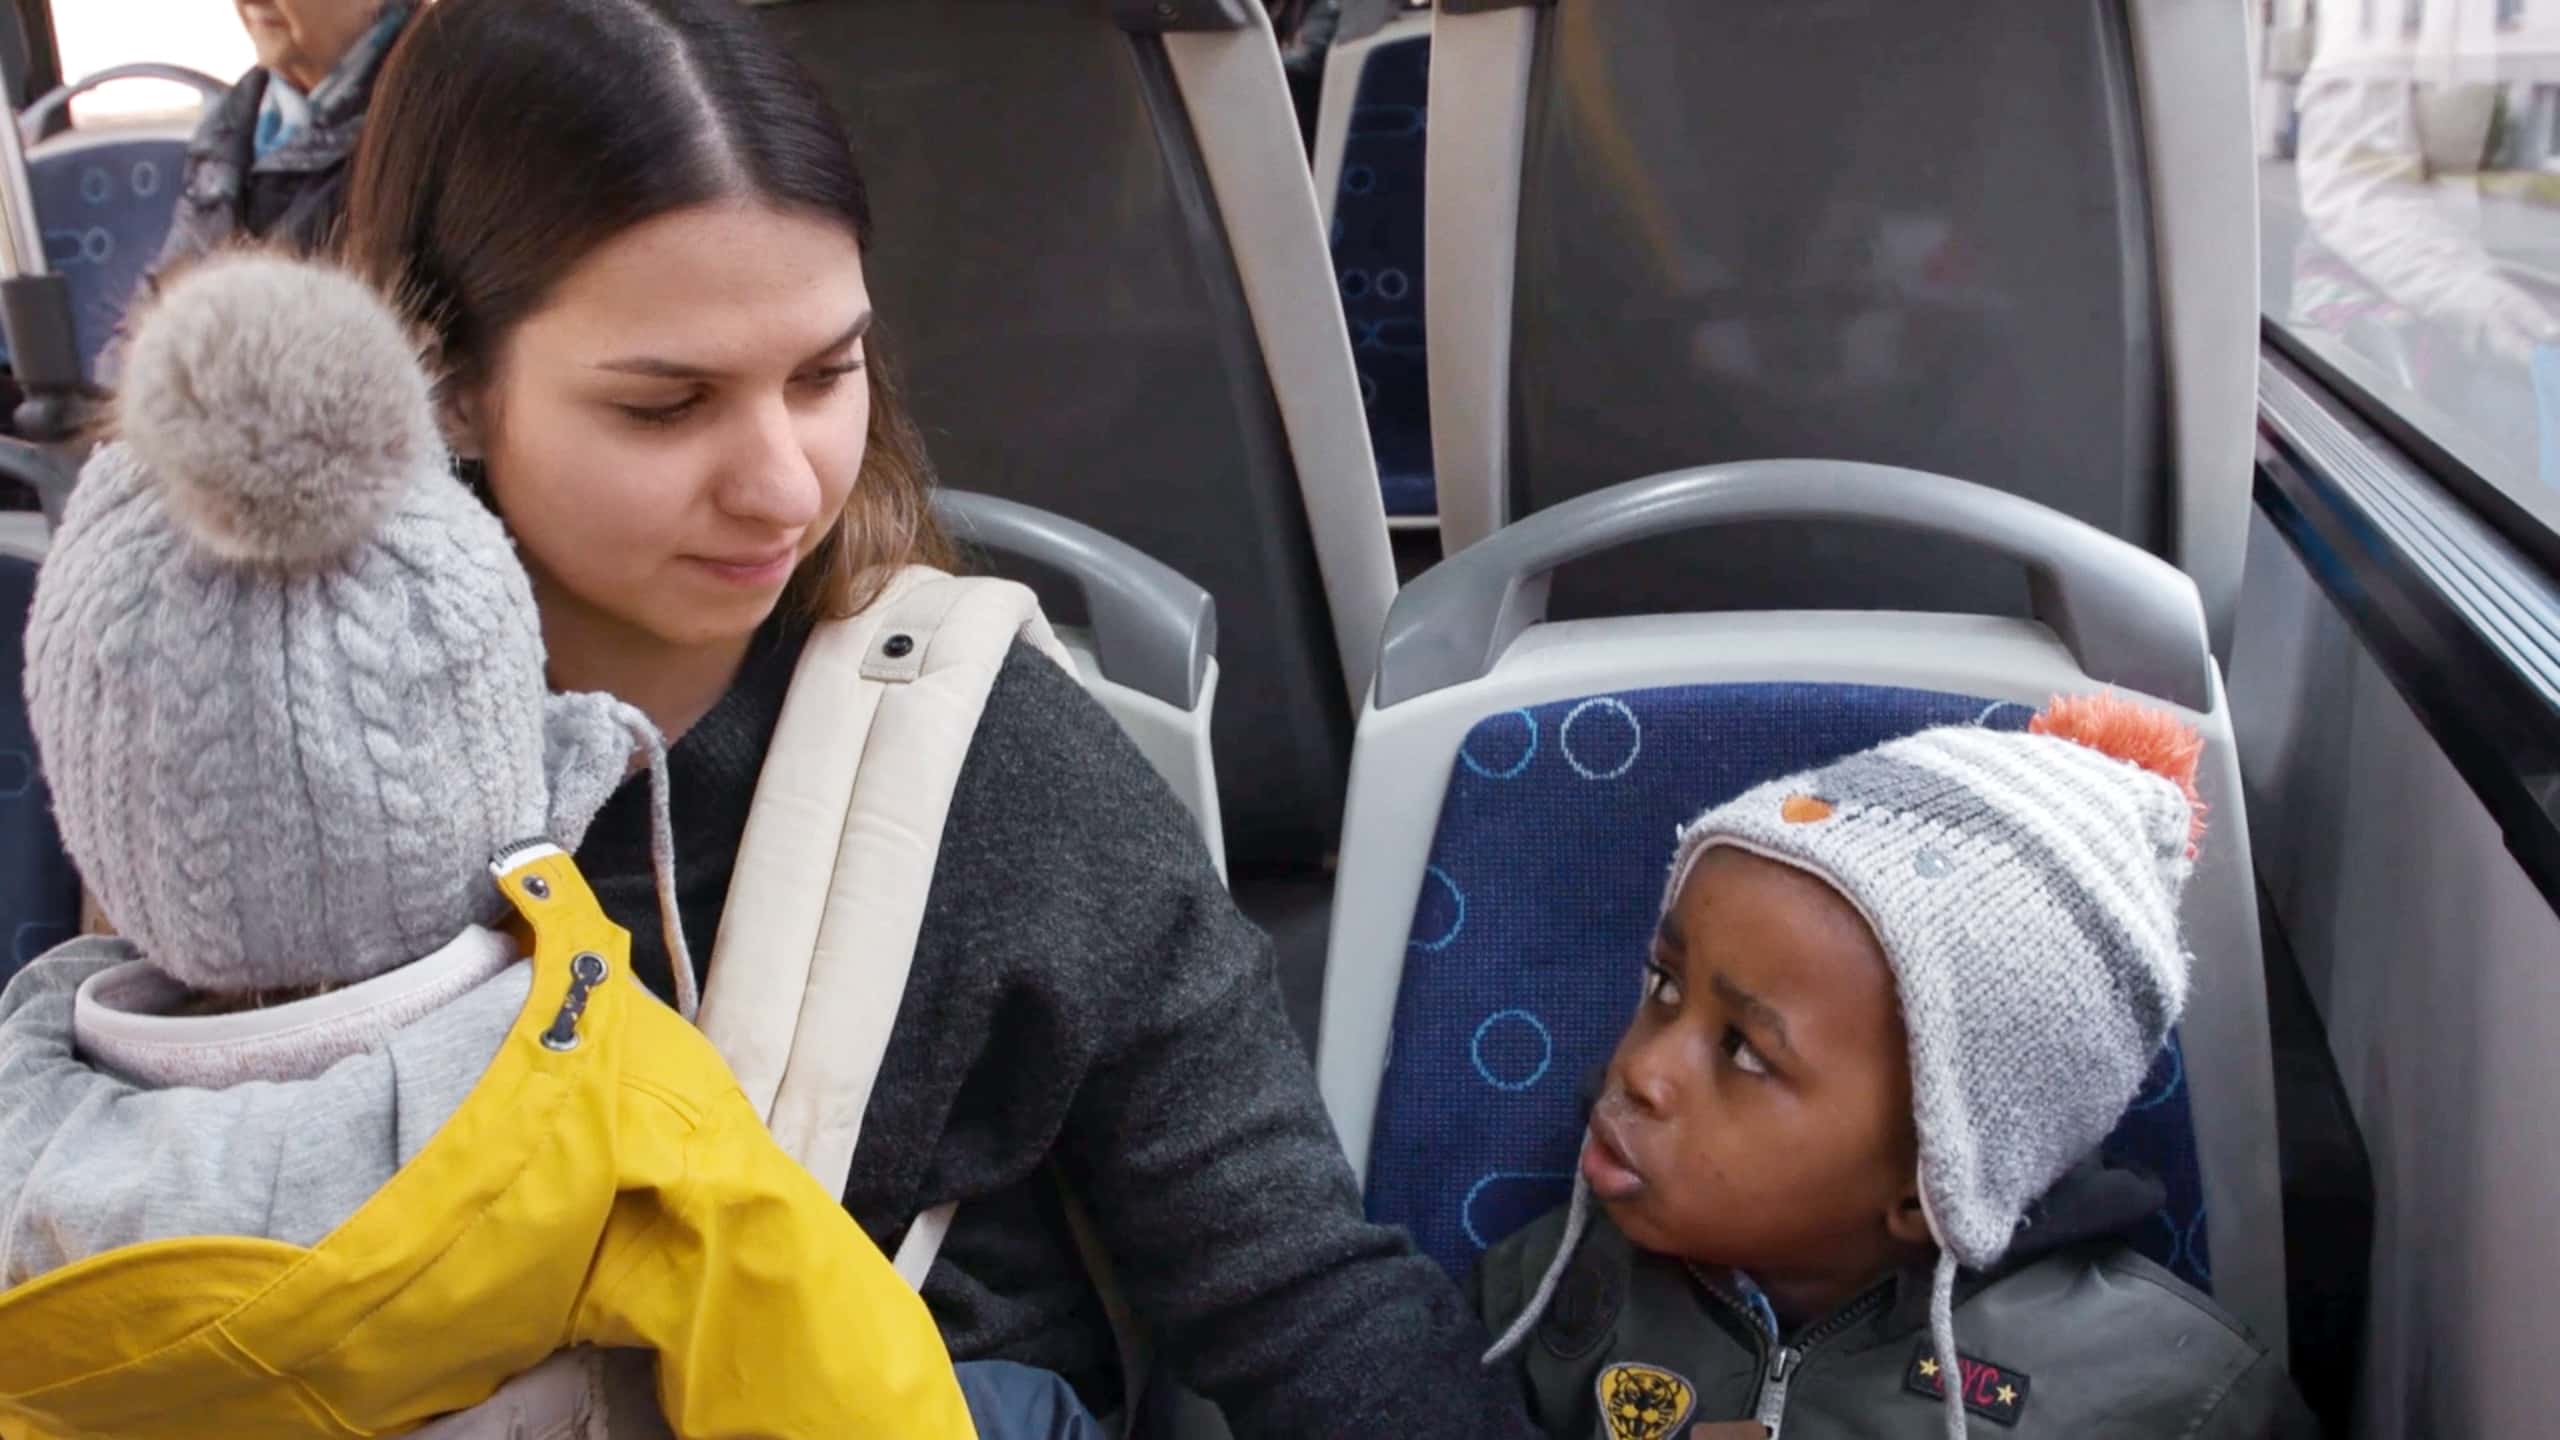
(1644,1077)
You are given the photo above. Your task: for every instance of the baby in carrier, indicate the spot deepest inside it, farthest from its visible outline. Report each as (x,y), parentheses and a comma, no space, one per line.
(362,1113)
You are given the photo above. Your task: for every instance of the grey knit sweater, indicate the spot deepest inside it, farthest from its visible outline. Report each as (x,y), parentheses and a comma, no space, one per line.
(1084,992)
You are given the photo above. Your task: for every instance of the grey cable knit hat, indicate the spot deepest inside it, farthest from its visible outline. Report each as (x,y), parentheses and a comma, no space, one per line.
(2024,889)
(285,672)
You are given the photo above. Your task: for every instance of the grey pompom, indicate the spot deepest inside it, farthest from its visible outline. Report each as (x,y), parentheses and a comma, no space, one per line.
(281,405)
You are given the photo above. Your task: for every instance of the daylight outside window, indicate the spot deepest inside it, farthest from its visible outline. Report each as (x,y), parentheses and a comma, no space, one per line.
(2409,194)
(96,35)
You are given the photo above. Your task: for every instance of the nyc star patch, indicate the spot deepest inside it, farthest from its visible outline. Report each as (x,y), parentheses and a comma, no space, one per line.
(1996,1394)
(1641,1402)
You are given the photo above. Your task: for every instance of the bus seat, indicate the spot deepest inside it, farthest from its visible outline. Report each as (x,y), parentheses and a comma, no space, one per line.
(39,891)
(104,197)
(1368,166)
(2008,241)
(1103,277)
(1147,649)
(1516,785)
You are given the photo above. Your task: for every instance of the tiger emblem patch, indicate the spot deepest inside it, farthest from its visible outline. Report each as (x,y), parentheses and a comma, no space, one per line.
(1642,1402)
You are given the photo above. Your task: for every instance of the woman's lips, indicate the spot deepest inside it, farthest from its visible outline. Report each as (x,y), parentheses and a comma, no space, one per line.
(752,571)
(1605,1166)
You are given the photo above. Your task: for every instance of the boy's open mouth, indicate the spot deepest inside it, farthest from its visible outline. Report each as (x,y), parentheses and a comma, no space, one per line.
(1605,1166)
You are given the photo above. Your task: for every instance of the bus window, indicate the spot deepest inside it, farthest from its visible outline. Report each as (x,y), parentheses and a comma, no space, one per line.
(201,35)
(2409,195)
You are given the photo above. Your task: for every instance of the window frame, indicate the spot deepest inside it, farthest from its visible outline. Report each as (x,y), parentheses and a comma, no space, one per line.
(2491,719)
(33,22)
(2436,442)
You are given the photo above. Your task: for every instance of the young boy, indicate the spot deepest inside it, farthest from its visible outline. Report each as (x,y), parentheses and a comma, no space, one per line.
(1844,1152)
(319,1144)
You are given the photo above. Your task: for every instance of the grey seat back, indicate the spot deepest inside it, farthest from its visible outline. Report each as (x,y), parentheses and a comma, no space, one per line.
(1066,286)
(1940,237)
(1517,784)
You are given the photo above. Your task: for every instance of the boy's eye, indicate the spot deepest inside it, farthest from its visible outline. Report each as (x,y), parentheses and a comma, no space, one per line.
(1739,1050)
(1661,987)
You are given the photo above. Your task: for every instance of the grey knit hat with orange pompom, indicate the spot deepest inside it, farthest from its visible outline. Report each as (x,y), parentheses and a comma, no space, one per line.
(2024,889)
(284,670)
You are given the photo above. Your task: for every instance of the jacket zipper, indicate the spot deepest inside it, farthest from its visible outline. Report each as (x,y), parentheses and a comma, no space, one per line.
(1773,1389)
(1778,1367)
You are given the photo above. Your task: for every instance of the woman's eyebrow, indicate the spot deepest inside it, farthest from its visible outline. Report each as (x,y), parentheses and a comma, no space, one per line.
(658,368)
(860,327)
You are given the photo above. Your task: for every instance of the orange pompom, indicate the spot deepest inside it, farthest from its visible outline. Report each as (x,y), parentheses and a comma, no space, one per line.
(2141,734)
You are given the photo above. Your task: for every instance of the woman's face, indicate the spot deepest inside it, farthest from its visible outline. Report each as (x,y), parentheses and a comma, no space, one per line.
(305,38)
(681,423)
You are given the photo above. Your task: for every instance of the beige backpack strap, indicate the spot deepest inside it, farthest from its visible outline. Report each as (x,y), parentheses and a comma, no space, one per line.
(759,965)
(839,850)
(834,869)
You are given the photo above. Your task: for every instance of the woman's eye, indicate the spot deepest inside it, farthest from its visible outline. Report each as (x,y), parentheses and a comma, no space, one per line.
(824,379)
(661,414)
(1744,1058)
(1661,987)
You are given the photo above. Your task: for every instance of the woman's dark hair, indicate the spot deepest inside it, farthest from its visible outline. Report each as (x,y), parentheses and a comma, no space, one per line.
(507,139)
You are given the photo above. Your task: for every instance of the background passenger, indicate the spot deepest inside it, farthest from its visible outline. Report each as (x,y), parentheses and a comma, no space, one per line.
(269,161)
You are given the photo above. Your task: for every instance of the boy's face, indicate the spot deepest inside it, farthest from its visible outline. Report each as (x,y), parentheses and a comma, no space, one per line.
(1758,1112)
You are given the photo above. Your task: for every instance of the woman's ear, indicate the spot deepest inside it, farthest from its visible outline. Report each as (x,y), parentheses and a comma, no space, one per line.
(460,414)
(1908,1221)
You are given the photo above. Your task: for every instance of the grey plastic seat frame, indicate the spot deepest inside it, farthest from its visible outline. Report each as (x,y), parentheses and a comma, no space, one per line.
(1148,651)
(1470,638)
(2191,74)
(37,119)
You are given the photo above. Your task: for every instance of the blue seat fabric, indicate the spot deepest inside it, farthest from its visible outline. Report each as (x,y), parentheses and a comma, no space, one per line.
(1377,261)
(39,891)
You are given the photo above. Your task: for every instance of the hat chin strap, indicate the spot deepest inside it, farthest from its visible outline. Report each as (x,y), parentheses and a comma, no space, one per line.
(662,860)
(644,738)
(1577,1218)
(1942,1315)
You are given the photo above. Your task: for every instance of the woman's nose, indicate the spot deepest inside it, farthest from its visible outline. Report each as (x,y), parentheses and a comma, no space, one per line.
(770,479)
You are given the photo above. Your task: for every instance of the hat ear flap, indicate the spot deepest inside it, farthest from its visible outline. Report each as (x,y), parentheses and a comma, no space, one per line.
(587,745)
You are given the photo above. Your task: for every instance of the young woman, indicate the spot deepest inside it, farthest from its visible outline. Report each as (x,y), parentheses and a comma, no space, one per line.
(636,234)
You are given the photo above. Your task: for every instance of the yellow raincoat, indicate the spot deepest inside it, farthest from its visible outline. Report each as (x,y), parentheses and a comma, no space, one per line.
(605,1183)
